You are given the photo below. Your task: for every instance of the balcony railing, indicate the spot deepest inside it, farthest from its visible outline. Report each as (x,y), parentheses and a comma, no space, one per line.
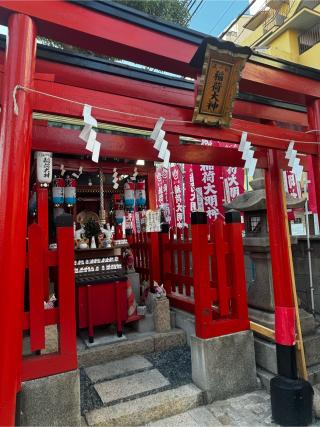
(309,38)
(276,15)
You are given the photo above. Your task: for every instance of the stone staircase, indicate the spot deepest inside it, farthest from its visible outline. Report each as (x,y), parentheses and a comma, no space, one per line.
(139,389)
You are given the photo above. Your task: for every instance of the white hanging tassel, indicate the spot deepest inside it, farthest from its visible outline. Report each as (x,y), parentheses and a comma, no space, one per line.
(115,179)
(135,174)
(78,175)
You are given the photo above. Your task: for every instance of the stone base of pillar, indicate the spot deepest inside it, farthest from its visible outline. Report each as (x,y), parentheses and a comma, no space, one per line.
(224,366)
(53,401)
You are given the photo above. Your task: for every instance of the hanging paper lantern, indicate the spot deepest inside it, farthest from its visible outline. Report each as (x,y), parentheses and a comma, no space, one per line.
(129,195)
(119,209)
(70,191)
(44,167)
(58,191)
(141,194)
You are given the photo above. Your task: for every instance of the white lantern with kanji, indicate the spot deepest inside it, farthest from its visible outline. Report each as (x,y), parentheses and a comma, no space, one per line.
(44,167)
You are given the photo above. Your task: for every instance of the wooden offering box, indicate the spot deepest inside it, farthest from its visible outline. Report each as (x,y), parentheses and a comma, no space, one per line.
(101,289)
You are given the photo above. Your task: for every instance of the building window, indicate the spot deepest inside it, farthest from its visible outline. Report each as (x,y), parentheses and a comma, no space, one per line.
(309,38)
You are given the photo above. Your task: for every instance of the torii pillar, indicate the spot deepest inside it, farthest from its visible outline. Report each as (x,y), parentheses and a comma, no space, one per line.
(287,407)
(314,124)
(15,151)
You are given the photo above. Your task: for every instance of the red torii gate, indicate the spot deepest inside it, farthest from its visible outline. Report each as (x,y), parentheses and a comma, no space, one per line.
(168,50)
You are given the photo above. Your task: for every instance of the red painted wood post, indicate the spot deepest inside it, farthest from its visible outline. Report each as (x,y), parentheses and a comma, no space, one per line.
(36,277)
(154,257)
(220,256)
(43,221)
(314,124)
(281,270)
(201,276)
(66,290)
(15,150)
(234,233)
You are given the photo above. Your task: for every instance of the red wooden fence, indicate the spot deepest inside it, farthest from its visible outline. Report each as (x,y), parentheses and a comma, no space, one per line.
(203,273)
(39,261)
(140,245)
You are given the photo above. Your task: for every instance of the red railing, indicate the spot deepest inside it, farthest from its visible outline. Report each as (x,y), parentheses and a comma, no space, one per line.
(145,248)
(176,267)
(219,276)
(60,262)
(203,273)
(141,254)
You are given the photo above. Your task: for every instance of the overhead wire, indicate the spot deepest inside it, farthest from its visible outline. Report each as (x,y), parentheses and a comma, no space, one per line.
(222,15)
(197,10)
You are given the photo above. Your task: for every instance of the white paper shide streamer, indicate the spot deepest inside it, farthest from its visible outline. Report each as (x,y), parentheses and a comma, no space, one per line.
(247,154)
(89,135)
(115,179)
(160,143)
(76,175)
(294,161)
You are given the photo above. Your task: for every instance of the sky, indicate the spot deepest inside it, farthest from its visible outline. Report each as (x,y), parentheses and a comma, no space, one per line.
(213,16)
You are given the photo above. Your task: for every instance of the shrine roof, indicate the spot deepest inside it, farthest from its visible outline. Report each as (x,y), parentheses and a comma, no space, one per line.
(142,19)
(103,65)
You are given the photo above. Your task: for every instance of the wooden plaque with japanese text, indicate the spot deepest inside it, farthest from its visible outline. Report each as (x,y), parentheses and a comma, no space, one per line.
(218,87)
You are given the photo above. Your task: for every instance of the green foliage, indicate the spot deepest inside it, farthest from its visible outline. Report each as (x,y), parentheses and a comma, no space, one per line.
(175,11)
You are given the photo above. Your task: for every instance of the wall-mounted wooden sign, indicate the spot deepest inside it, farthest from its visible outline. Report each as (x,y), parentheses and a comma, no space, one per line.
(220,64)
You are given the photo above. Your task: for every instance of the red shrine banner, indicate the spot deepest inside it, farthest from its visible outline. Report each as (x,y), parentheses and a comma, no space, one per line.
(291,185)
(197,187)
(190,193)
(209,190)
(163,193)
(178,196)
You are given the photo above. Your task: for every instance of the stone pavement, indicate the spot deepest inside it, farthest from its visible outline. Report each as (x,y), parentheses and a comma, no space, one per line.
(251,409)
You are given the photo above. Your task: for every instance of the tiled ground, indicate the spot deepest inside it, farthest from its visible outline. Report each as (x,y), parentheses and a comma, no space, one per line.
(252,409)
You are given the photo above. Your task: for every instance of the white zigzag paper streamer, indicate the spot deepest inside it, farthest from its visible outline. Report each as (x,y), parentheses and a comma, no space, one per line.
(160,143)
(89,135)
(294,161)
(247,154)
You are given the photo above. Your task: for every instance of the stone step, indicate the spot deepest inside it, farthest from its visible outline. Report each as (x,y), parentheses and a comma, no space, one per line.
(136,343)
(130,386)
(148,408)
(117,368)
